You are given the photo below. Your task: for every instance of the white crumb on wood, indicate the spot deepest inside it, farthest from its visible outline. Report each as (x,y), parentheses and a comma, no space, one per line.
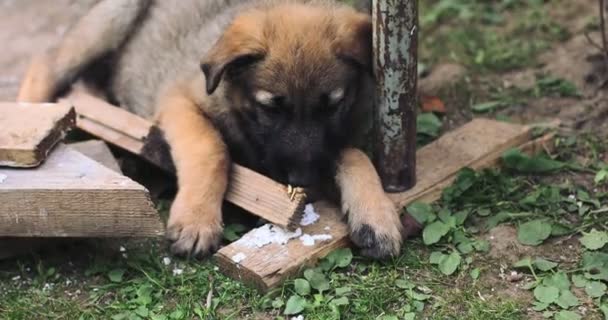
(3,177)
(268,234)
(310,215)
(237,258)
(327,228)
(309,240)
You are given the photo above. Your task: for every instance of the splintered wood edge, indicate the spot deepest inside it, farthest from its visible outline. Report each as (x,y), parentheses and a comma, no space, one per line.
(265,197)
(34,158)
(247,189)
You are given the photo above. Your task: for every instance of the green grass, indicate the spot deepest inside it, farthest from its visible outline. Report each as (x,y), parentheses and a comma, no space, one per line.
(488,36)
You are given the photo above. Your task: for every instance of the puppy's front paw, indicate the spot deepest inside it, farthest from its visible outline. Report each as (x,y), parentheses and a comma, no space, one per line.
(194,227)
(375,226)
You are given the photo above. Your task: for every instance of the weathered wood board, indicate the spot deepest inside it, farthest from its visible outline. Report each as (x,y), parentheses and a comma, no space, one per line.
(97,150)
(478,144)
(268,266)
(247,189)
(70,195)
(94,149)
(29,131)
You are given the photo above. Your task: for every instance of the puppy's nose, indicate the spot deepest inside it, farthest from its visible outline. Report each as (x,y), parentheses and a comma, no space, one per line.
(299,179)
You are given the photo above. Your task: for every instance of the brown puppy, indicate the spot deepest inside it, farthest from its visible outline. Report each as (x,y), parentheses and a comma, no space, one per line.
(278,86)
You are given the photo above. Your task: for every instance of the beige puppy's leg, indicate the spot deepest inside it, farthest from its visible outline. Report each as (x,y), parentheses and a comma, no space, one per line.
(373,219)
(202,163)
(101,30)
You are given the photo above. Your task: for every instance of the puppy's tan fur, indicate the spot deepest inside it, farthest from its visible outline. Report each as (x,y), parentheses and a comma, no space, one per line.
(156,49)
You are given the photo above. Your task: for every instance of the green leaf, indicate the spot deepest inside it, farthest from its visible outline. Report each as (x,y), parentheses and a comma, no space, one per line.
(567,315)
(344,290)
(544,265)
(523,263)
(487,106)
(421,212)
(579,281)
(302,287)
(436,257)
(177,314)
(604,308)
(144,294)
(417,296)
(465,247)
(475,273)
(534,232)
(546,294)
(142,311)
(539,306)
(232,232)
(601,176)
(342,301)
(158,316)
(450,263)
(404,284)
(595,289)
(341,257)
(278,303)
(461,217)
(295,305)
(516,160)
(434,232)
(116,275)
(409,316)
(594,240)
(482,245)
(567,300)
(559,280)
(317,280)
(428,124)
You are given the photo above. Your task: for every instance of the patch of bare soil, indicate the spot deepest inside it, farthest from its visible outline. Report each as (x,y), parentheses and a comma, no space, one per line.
(578,62)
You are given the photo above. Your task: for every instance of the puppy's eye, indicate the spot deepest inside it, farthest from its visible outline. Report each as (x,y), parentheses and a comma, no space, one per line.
(336,96)
(270,103)
(264,97)
(331,102)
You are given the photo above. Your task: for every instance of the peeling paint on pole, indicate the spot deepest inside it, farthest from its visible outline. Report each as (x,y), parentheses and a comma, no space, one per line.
(395,64)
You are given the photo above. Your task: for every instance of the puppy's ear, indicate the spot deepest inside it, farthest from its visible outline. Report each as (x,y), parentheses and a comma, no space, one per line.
(240,45)
(354,39)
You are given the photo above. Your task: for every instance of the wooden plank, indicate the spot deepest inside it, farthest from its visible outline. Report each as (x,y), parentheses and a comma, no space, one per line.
(70,195)
(477,144)
(268,266)
(468,146)
(98,151)
(29,131)
(247,189)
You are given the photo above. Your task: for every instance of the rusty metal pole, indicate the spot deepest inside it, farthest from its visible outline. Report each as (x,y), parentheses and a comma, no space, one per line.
(395,41)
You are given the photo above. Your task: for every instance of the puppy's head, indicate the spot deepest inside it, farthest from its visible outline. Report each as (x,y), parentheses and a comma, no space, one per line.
(295,74)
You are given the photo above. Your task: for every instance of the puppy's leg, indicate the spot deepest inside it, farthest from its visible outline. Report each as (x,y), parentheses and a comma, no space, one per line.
(202,163)
(372,217)
(101,30)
